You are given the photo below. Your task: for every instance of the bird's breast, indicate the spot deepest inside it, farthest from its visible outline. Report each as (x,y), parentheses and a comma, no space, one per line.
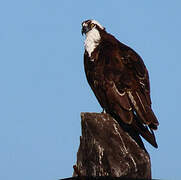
(92,41)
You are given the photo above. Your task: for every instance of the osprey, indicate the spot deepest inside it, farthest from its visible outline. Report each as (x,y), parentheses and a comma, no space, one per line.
(119,79)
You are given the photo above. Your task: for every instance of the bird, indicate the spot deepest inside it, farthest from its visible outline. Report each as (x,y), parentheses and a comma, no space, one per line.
(120,81)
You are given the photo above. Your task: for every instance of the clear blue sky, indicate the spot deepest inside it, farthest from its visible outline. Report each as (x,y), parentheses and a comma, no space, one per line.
(43,87)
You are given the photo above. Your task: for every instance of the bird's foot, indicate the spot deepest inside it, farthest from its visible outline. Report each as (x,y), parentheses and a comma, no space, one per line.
(103,111)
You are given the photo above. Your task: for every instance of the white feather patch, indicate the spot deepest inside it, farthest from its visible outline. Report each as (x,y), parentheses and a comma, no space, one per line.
(96,22)
(92,40)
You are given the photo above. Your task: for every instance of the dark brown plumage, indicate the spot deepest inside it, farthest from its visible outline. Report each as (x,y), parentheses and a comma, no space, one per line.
(120,82)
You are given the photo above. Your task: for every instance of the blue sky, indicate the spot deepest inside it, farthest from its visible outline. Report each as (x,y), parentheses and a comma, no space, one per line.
(44,89)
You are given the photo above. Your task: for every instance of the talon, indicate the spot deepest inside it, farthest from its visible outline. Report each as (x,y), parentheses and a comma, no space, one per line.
(103,111)
(76,170)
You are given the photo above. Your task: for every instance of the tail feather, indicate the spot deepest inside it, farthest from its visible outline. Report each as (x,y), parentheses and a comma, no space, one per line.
(145,132)
(144,121)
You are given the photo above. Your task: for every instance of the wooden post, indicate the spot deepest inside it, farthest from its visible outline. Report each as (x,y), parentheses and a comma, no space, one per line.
(107,150)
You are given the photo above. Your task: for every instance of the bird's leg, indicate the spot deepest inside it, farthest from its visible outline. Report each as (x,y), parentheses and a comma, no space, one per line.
(76,170)
(103,111)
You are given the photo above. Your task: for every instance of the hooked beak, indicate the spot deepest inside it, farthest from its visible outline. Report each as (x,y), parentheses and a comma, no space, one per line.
(85,29)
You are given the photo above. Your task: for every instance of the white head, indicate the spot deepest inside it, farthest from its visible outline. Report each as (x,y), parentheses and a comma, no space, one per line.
(91,24)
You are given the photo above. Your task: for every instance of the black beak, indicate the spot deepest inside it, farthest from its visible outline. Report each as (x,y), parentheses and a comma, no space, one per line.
(85,29)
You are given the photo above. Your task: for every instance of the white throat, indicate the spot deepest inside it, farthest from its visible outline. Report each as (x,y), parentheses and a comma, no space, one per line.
(92,40)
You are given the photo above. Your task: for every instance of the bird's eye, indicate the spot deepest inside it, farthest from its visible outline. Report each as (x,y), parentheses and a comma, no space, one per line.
(92,25)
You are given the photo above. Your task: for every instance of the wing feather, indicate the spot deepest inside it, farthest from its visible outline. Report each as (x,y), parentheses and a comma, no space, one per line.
(139,91)
(119,103)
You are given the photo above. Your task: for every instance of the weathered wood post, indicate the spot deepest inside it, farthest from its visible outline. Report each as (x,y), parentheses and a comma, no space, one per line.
(107,150)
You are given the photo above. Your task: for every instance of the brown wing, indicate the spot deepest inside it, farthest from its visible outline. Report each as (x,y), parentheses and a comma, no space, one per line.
(128,89)
(138,89)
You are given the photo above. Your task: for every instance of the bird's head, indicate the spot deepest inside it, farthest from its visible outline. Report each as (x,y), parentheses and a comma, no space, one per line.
(88,25)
